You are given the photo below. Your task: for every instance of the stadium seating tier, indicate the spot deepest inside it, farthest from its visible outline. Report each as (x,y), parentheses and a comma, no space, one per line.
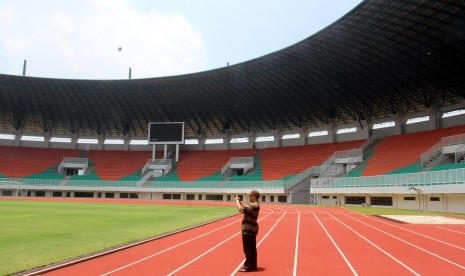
(399,151)
(279,163)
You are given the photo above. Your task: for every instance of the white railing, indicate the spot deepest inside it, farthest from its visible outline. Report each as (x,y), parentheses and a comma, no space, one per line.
(245,163)
(315,171)
(371,140)
(330,170)
(343,154)
(459,153)
(327,168)
(74,162)
(225,167)
(428,154)
(157,164)
(130,185)
(455,139)
(445,177)
(11,182)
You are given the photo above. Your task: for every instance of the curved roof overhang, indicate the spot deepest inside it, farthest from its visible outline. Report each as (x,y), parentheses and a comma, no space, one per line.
(381,58)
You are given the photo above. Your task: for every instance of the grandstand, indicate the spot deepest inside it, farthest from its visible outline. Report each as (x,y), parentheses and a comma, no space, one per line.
(399,152)
(394,63)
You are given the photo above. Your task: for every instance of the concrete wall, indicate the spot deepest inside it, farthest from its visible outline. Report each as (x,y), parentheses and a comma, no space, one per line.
(454,203)
(407,204)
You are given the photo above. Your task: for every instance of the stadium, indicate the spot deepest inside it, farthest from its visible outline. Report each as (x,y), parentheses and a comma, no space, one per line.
(368,111)
(354,138)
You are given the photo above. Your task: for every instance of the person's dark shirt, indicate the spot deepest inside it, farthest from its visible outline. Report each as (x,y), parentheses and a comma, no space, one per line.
(249,221)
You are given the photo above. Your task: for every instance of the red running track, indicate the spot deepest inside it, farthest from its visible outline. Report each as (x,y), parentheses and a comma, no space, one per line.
(294,240)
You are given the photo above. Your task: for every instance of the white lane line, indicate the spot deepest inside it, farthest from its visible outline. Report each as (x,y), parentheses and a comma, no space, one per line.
(201,255)
(173,247)
(206,252)
(455,231)
(264,237)
(335,245)
(377,247)
(168,249)
(296,255)
(411,244)
(411,231)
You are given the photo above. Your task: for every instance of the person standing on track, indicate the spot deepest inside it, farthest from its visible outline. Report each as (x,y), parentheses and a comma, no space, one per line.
(249,229)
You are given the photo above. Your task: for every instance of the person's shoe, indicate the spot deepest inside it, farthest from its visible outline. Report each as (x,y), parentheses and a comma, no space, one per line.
(247,270)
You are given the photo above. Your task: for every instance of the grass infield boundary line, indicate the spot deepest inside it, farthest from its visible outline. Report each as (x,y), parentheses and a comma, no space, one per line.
(52,267)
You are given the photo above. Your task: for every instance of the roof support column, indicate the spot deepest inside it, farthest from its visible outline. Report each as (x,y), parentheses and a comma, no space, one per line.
(434,117)
(399,119)
(252,135)
(18,136)
(201,138)
(101,140)
(227,139)
(126,141)
(366,128)
(47,138)
(74,139)
(332,129)
(304,134)
(278,134)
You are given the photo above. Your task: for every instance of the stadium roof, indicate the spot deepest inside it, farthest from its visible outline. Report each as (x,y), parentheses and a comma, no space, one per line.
(381,58)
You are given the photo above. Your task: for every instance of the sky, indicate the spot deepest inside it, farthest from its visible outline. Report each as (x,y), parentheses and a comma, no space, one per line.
(102,39)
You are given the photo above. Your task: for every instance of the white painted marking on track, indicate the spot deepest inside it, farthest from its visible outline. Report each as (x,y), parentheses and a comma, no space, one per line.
(201,255)
(376,246)
(411,231)
(296,255)
(177,245)
(205,253)
(455,231)
(411,244)
(264,237)
(168,249)
(337,247)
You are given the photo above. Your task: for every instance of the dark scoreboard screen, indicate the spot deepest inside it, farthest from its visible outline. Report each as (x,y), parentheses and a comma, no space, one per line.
(166,133)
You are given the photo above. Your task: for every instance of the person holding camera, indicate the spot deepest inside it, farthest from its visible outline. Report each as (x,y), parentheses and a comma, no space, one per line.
(249,229)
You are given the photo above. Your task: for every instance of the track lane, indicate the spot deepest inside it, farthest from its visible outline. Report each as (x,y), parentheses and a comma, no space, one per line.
(426,231)
(226,257)
(186,260)
(428,237)
(367,257)
(276,252)
(317,254)
(168,254)
(141,255)
(458,230)
(426,256)
(169,262)
(293,240)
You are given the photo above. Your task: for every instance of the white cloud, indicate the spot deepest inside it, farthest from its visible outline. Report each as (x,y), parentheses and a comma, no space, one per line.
(80,39)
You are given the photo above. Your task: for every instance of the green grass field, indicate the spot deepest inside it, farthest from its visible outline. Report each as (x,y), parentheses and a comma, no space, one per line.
(37,233)
(34,234)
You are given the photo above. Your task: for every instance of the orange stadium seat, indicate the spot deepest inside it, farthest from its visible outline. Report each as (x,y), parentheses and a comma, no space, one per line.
(278,163)
(395,152)
(194,165)
(113,165)
(17,162)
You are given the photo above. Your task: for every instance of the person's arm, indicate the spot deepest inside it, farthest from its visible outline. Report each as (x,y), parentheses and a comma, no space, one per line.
(239,204)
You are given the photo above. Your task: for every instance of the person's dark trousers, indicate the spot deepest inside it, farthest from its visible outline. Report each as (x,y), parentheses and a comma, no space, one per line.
(249,243)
